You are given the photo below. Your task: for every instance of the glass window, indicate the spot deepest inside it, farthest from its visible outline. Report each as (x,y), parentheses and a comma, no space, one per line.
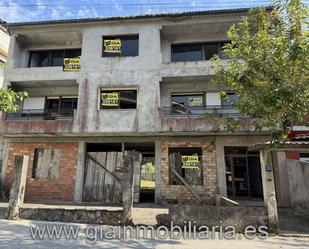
(118,46)
(52,105)
(52,58)
(57,58)
(68,104)
(187,52)
(118,99)
(188,100)
(72,53)
(39,59)
(231,99)
(196,52)
(187,162)
(210,50)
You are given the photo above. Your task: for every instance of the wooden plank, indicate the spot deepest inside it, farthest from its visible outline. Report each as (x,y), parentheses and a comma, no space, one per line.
(108,171)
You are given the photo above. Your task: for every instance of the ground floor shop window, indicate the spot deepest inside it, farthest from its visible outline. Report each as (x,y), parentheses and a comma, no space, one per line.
(185,164)
(46,163)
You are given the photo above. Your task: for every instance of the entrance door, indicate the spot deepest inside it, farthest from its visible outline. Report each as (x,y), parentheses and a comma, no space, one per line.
(243,173)
(147,180)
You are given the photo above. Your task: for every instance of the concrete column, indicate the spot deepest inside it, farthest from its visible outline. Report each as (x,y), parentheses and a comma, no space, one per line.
(220,159)
(5,155)
(80,168)
(269,191)
(158,161)
(18,187)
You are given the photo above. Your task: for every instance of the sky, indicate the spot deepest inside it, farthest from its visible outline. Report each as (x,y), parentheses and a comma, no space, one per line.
(31,10)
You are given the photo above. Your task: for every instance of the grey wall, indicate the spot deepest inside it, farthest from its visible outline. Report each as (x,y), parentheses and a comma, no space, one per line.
(298,175)
(145,72)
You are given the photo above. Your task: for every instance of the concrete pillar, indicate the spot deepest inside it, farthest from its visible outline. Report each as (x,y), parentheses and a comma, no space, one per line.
(5,155)
(80,168)
(18,187)
(127,186)
(158,161)
(221,177)
(269,191)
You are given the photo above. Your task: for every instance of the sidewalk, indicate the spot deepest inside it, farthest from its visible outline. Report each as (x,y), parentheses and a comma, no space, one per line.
(16,235)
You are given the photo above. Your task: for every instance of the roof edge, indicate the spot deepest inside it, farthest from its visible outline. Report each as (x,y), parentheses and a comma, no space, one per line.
(137,17)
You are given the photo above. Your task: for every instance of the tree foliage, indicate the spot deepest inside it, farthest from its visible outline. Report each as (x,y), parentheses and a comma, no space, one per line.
(269,66)
(9,99)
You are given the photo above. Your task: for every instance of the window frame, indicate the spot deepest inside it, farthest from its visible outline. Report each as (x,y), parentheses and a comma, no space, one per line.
(204,45)
(116,55)
(180,150)
(50,52)
(133,88)
(203,94)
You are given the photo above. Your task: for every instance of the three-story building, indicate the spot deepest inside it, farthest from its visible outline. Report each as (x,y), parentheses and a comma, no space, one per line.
(99,87)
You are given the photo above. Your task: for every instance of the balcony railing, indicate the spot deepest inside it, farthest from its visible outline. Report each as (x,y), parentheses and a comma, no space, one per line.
(40,114)
(200,111)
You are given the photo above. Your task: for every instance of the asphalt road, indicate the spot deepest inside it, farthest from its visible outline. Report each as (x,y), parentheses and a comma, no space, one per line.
(17,235)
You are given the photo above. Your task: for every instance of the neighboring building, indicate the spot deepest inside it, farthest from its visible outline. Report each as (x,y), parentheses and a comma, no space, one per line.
(4,48)
(145,85)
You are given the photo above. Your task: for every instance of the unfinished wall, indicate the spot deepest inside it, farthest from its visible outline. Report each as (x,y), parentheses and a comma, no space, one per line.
(60,188)
(298,175)
(179,193)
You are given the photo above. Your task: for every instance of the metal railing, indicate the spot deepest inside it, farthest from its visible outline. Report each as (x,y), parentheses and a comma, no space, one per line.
(40,114)
(200,111)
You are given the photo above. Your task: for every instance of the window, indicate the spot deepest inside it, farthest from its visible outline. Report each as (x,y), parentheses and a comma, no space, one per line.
(61,105)
(187,162)
(187,103)
(118,99)
(52,58)
(46,163)
(188,100)
(119,46)
(187,52)
(197,52)
(231,99)
(304,157)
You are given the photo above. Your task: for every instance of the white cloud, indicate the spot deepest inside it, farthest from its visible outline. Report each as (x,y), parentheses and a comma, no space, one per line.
(85,12)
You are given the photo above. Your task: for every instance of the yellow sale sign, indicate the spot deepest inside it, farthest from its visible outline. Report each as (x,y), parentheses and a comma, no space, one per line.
(112,46)
(110,99)
(190,162)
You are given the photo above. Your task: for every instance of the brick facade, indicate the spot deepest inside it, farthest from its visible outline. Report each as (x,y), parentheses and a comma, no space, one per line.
(62,188)
(180,193)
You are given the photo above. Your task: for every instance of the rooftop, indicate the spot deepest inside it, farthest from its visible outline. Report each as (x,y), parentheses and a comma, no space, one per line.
(134,17)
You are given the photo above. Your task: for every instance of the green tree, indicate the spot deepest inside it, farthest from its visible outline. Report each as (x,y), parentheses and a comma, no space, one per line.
(268,67)
(9,99)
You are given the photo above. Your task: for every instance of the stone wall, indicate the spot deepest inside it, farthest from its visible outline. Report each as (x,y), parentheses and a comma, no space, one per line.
(205,215)
(43,189)
(179,193)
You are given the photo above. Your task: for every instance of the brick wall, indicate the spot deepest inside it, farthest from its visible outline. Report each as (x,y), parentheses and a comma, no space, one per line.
(59,189)
(180,193)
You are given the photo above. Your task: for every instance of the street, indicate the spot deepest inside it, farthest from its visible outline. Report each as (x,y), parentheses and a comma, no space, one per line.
(16,235)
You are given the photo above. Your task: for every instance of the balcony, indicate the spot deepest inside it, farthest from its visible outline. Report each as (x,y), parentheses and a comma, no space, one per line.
(202,119)
(40,114)
(200,111)
(37,121)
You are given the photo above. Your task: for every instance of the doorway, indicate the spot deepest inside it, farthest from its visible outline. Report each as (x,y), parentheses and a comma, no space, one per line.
(243,173)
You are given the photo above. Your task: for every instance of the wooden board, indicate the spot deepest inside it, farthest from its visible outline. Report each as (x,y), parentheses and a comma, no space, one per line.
(102,173)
